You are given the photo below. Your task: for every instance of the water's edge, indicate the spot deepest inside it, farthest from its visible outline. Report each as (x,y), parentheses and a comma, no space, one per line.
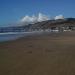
(13,36)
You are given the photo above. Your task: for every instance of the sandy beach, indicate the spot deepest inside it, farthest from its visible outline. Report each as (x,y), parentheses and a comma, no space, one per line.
(47,54)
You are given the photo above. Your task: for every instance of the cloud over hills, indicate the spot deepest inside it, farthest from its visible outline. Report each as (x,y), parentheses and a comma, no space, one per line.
(34,19)
(39,18)
(59,17)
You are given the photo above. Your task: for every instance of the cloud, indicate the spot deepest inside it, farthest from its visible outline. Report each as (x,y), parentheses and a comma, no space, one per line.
(39,18)
(42,17)
(59,17)
(34,19)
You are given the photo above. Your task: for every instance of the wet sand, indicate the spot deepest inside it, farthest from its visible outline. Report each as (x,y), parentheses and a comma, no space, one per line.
(47,54)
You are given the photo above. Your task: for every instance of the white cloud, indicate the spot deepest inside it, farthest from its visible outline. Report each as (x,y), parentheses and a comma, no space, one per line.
(26,20)
(59,17)
(39,18)
(33,19)
(42,17)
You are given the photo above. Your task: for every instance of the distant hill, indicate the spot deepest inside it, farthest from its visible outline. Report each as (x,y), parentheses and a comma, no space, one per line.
(41,25)
(54,23)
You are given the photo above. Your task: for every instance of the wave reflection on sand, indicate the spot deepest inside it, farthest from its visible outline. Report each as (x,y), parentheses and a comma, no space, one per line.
(16,35)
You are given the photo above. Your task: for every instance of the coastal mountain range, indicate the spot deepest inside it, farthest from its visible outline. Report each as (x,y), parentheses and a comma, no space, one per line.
(40,25)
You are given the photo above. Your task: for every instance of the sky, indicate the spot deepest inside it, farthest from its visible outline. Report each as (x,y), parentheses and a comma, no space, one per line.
(12,11)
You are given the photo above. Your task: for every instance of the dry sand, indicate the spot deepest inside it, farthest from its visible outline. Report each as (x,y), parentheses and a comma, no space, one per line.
(47,54)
